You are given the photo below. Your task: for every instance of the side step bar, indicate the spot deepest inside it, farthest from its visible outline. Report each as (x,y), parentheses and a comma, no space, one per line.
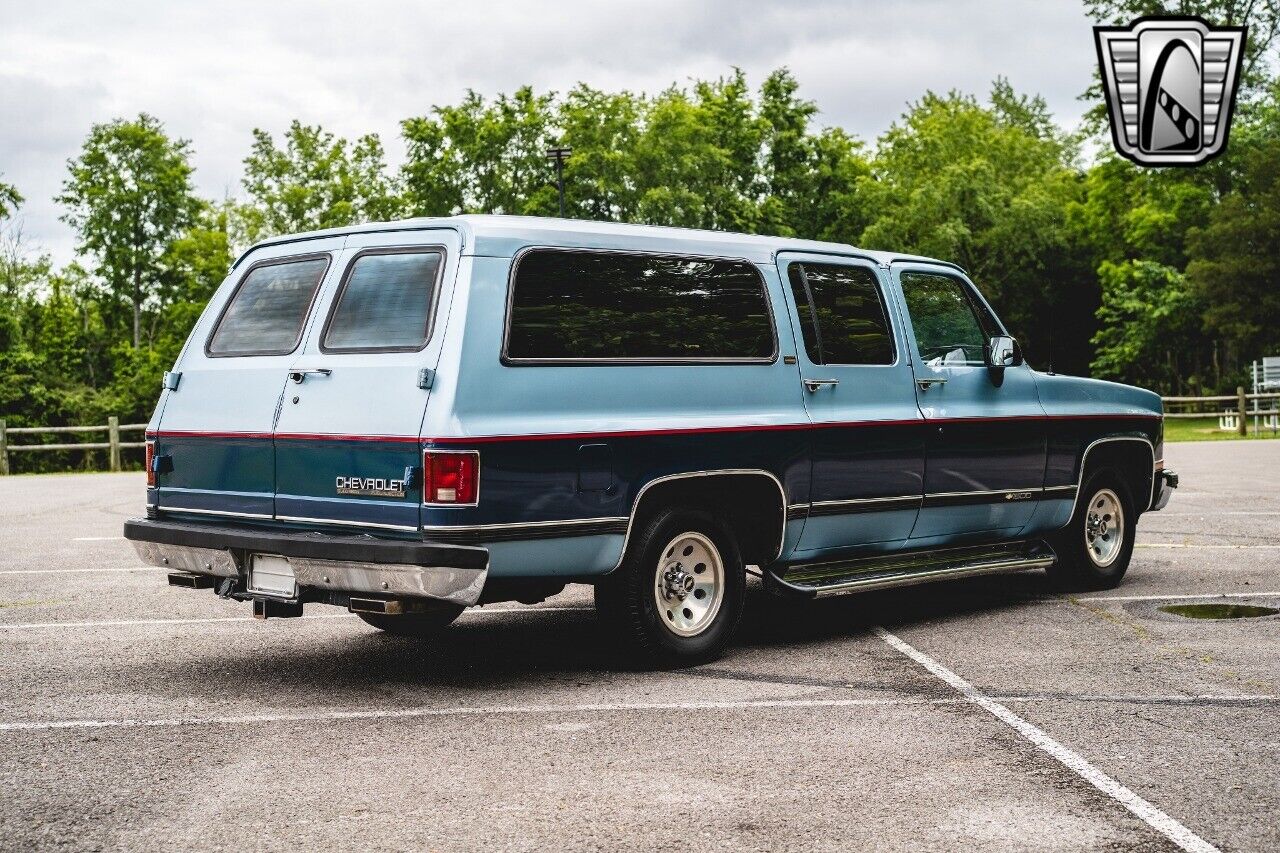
(819,580)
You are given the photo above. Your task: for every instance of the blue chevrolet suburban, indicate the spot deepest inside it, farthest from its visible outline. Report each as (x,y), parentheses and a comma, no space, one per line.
(408,419)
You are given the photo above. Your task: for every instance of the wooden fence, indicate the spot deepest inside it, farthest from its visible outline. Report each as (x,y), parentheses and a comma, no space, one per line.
(1258,406)
(113,445)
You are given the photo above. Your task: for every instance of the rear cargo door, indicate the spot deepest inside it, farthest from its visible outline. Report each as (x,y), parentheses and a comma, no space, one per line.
(347,439)
(214,443)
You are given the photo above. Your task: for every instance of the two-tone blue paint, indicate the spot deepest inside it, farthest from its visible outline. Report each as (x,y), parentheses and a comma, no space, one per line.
(873,464)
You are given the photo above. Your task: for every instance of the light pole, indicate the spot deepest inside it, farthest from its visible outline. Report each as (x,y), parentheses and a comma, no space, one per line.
(559,155)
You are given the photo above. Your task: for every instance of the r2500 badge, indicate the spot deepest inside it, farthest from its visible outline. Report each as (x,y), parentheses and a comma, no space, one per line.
(371,487)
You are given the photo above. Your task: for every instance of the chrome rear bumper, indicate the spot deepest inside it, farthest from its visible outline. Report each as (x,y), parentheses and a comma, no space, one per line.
(350,564)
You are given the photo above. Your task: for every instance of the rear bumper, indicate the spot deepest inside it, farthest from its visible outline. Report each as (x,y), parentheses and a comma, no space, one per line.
(360,564)
(1166,482)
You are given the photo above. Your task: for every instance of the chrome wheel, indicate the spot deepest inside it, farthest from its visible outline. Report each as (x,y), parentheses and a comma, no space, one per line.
(689,584)
(1104,528)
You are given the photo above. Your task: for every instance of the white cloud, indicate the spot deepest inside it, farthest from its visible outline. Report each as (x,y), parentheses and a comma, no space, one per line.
(213,71)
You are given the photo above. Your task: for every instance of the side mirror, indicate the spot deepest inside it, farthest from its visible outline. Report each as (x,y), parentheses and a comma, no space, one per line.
(1003,351)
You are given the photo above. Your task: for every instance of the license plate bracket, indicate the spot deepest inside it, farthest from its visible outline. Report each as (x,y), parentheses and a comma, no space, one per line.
(272,575)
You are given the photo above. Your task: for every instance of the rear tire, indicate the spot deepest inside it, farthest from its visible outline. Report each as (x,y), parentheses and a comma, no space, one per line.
(677,597)
(1095,548)
(425,624)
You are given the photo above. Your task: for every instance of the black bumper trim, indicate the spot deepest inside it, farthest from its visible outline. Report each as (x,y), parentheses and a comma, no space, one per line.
(316,546)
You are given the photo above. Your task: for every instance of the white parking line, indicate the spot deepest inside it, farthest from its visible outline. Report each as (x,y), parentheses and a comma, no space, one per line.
(1152,816)
(1191,545)
(1208,513)
(1179,597)
(114,623)
(605,707)
(79,571)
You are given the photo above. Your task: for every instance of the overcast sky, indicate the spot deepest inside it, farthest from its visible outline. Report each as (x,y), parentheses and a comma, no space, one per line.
(212,71)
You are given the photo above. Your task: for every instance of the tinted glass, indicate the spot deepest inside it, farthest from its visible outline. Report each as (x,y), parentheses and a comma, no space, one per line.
(266,314)
(944,318)
(851,327)
(385,303)
(597,305)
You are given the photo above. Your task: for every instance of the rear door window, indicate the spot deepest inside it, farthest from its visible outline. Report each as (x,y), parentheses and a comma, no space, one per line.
(385,303)
(841,314)
(268,309)
(582,306)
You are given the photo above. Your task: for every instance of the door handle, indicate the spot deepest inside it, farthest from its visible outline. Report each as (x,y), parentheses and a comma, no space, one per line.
(302,372)
(928,382)
(814,384)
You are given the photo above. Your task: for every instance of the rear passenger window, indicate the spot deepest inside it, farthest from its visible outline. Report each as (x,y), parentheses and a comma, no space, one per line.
(266,313)
(606,306)
(841,313)
(385,303)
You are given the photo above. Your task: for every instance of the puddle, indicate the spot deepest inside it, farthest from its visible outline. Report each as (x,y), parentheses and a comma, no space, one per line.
(1219,611)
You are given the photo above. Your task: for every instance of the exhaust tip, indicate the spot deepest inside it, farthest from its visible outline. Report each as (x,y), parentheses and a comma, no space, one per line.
(388,606)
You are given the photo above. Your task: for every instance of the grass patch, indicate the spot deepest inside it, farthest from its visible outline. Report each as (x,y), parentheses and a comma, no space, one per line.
(1206,429)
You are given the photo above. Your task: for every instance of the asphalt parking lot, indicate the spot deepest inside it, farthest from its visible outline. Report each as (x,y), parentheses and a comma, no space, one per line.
(988,713)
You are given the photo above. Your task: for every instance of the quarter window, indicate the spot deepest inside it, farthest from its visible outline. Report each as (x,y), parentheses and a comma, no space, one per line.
(385,303)
(842,316)
(266,313)
(949,326)
(605,306)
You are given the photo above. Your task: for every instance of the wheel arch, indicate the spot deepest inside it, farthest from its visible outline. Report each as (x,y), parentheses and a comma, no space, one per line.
(757,513)
(1136,467)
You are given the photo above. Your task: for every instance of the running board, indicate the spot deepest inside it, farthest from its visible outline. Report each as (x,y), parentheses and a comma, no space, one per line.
(819,580)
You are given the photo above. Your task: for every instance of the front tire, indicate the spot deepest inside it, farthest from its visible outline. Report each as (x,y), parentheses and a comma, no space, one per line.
(677,597)
(1095,548)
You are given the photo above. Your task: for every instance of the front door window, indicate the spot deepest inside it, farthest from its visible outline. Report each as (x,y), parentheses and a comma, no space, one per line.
(950,329)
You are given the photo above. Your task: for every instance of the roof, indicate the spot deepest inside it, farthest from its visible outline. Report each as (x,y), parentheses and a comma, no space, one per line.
(502,236)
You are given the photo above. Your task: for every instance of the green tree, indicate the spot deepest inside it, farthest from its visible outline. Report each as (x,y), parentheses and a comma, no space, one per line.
(480,156)
(316,180)
(129,195)
(602,129)
(1234,254)
(10,200)
(988,186)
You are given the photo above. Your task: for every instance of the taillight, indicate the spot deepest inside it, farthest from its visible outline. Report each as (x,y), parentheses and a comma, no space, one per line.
(450,477)
(151,463)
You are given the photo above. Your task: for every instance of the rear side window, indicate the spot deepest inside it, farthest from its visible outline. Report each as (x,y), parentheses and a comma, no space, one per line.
(385,303)
(266,312)
(581,306)
(841,313)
